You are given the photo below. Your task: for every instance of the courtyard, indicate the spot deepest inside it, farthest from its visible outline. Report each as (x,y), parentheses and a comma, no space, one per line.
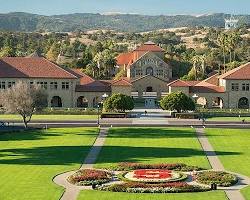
(30,160)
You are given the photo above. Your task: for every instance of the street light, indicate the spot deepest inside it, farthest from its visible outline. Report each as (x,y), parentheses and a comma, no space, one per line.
(98,113)
(104,96)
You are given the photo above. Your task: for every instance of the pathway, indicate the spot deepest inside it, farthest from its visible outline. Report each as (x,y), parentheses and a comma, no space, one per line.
(72,191)
(233,193)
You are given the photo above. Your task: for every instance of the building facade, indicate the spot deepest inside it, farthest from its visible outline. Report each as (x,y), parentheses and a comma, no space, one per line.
(229,90)
(148,79)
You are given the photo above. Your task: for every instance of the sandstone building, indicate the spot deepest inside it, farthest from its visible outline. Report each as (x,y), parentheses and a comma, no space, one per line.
(148,78)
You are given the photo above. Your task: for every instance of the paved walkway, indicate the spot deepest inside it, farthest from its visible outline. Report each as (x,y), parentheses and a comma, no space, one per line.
(233,193)
(72,191)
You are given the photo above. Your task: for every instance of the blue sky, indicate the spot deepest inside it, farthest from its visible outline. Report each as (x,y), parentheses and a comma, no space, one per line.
(152,7)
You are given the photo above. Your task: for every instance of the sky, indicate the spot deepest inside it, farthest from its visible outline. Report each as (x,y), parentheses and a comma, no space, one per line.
(149,7)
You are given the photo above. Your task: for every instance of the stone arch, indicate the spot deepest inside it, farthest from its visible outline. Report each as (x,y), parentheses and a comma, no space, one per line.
(149,89)
(150,71)
(217,102)
(82,102)
(96,101)
(243,103)
(56,102)
(202,101)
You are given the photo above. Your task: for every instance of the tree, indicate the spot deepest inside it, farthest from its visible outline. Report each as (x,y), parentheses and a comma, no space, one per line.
(24,100)
(119,102)
(53,52)
(223,43)
(177,101)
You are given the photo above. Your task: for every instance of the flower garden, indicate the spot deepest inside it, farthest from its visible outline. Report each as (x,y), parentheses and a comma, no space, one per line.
(152,178)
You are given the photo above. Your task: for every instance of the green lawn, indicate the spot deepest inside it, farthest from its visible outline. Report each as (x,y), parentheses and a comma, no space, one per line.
(236,142)
(229,119)
(96,195)
(30,160)
(152,145)
(50,117)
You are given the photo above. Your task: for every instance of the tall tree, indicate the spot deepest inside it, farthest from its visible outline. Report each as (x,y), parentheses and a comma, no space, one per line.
(23,100)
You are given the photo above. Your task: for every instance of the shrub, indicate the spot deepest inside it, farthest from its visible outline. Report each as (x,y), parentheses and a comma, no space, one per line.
(134,187)
(126,166)
(177,101)
(220,178)
(90,177)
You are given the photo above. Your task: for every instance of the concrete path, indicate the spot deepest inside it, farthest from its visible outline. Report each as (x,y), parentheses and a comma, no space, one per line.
(233,193)
(72,191)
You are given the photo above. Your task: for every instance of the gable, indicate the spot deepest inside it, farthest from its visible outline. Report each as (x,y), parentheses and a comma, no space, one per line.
(150,59)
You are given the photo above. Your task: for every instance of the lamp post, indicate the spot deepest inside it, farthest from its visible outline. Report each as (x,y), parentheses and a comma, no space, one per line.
(104,96)
(98,113)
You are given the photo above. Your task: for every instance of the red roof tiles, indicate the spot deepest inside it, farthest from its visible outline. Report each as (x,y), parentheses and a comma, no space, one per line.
(131,57)
(149,46)
(121,82)
(36,67)
(239,73)
(179,83)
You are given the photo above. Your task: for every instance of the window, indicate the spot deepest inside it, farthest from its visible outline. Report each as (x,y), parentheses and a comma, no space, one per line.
(235,86)
(245,87)
(65,85)
(43,85)
(2,85)
(53,85)
(10,84)
(159,72)
(138,72)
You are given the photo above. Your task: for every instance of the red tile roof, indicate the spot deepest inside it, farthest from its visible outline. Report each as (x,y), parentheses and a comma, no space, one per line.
(96,86)
(239,73)
(131,57)
(121,82)
(84,79)
(149,46)
(124,58)
(36,67)
(179,83)
(207,89)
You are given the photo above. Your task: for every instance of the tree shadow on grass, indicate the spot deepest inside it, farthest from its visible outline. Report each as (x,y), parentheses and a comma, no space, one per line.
(67,155)
(41,134)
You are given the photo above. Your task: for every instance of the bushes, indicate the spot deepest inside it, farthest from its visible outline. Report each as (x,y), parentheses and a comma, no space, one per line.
(134,187)
(90,177)
(220,178)
(126,166)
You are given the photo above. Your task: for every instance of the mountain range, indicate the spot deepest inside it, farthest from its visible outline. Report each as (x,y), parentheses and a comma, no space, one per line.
(19,21)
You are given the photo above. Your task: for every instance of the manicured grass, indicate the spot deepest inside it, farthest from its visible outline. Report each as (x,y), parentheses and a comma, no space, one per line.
(29,161)
(246,192)
(94,195)
(229,119)
(152,145)
(236,142)
(50,117)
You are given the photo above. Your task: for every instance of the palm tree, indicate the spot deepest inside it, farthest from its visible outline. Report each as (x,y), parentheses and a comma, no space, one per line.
(223,44)
(196,60)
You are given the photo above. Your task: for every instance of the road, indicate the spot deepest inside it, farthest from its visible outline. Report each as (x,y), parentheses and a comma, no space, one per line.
(137,122)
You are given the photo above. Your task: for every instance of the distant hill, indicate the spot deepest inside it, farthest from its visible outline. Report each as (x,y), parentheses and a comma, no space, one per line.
(120,22)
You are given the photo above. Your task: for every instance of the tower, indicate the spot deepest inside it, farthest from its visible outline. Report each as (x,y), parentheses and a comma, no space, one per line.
(231,23)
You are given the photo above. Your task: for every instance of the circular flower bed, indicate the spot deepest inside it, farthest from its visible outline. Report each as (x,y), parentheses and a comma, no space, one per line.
(126,166)
(154,175)
(135,187)
(220,178)
(90,177)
